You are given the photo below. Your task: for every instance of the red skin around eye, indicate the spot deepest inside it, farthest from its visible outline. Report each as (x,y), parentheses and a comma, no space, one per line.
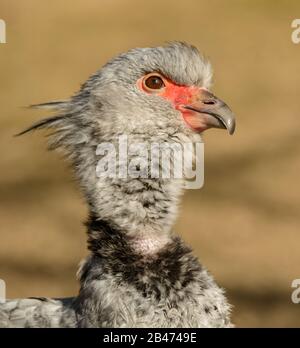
(179,96)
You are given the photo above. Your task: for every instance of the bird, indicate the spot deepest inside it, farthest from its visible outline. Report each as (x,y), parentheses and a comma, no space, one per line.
(139,272)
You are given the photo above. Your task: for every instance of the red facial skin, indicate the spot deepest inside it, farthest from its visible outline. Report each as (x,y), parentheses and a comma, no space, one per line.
(179,96)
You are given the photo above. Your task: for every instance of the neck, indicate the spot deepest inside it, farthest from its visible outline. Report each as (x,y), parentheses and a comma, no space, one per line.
(105,239)
(142,211)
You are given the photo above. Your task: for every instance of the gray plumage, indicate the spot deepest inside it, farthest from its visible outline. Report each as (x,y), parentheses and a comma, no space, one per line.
(138,274)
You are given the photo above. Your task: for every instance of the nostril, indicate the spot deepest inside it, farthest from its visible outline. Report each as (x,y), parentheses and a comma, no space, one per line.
(209,102)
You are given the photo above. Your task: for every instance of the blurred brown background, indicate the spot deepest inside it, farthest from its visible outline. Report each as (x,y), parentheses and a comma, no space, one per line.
(244,224)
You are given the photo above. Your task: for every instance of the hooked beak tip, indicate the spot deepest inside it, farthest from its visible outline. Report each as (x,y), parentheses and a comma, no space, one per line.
(229,124)
(212,112)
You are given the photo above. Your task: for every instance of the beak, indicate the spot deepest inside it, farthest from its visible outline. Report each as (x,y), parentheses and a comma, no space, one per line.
(211,111)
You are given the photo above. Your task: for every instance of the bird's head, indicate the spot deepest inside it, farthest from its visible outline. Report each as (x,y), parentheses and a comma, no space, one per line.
(158,91)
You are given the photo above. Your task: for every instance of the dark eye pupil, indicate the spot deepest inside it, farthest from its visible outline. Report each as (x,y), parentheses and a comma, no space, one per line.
(154,82)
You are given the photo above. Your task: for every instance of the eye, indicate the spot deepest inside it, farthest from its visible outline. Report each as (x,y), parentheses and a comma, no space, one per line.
(154,82)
